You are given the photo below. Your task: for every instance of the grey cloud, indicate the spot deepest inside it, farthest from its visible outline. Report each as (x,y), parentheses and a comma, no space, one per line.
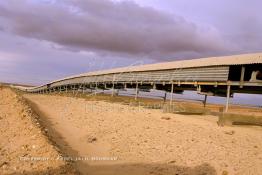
(110,27)
(238,21)
(24,60)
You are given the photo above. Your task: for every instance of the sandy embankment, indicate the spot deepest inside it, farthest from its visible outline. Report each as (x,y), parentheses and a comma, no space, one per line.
(24,149)
(147,141)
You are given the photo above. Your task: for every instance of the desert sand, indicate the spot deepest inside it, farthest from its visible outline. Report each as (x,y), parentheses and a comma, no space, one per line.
(113,138)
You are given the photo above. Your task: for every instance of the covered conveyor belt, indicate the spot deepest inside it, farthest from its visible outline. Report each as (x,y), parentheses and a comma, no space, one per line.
(220,76)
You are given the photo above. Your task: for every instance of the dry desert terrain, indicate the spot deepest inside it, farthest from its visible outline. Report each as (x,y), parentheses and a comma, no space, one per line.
(98,137)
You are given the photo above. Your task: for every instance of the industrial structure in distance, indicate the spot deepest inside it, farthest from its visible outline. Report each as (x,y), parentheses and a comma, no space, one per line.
(216,76)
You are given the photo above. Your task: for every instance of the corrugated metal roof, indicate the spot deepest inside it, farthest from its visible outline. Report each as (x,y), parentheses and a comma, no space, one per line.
(201,62)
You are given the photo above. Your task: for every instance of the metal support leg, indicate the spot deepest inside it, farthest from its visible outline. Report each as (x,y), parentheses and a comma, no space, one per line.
(242,76)
(171,93)
(104,88)
(96,89)
(205,100)
(228,96)
(165,97)
(136,91)
(113,90)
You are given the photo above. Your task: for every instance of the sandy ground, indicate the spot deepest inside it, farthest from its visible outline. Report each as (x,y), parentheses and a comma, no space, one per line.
(134,140)
(24,149)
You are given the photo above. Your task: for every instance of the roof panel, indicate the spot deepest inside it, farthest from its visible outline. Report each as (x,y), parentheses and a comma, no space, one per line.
(201,62)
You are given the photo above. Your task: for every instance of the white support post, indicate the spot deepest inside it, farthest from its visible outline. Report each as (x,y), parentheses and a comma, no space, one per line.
(171,94)
(154,86)
(228,96)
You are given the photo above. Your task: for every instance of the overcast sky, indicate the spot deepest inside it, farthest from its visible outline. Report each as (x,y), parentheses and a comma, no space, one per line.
(42,40)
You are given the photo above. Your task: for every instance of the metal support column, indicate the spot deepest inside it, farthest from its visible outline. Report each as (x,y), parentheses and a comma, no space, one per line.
(171,93)
(136,91)
(228,96)
(83,89)
(113,90)
(165,97)
(96,89)
(242,77)
(205,100)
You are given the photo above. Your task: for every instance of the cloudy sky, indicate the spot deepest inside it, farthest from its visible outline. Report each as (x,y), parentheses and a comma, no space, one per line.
(42,40)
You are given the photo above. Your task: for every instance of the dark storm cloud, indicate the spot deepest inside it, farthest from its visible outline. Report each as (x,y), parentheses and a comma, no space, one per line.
(109,26)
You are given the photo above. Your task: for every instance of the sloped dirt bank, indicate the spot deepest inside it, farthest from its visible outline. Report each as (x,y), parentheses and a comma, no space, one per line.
(24,146)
